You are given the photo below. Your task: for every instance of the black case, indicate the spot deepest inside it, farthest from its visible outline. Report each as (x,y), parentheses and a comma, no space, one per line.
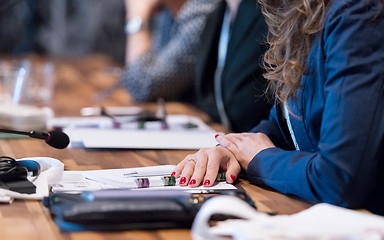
(159,209)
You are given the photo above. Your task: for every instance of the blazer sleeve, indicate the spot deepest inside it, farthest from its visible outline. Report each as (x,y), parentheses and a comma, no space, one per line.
(272,129)
(345,167)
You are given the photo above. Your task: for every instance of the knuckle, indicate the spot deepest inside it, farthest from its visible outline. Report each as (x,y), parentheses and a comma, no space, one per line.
(203,151)
(259,134)
(189,156)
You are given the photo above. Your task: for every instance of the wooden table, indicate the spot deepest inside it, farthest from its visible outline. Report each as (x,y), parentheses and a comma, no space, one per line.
(77,80)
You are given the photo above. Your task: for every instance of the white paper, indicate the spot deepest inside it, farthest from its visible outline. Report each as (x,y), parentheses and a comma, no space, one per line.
(136,139)
(74,181)
(120,111)
(78,181)
(80,122)
(126,177)
(160,170)
(152,137)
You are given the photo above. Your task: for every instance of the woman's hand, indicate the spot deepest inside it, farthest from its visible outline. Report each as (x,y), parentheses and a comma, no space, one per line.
(244,146)
(203,167)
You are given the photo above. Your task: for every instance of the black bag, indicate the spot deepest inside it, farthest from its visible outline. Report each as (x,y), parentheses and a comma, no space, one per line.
(116,210)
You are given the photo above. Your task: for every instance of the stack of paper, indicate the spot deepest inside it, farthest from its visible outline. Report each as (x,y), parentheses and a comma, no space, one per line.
(182,132)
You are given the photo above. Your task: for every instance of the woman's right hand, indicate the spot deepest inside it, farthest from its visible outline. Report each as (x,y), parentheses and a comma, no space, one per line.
(203,167)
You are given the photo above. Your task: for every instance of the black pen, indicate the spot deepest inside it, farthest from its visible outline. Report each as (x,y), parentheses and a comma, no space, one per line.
(162,113)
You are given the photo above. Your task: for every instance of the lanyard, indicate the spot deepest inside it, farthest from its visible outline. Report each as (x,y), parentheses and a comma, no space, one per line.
(222,53)
(289,124)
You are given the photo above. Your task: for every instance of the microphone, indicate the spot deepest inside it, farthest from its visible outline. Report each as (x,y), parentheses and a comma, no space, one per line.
(56,139)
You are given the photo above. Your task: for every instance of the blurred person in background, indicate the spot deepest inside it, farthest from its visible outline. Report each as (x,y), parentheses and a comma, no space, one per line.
(71,28)
(229,81)
(185,62)
(162,39)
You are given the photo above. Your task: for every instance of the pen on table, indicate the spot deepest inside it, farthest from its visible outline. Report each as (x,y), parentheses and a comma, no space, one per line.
(103,112)
(147,182)
(137,174)
(219,178)
(164,181)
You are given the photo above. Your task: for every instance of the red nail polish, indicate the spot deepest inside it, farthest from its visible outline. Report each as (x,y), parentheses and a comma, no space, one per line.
(183,180)
(233,178)
(217,135)
(207,182)
(173,174)
(193,181)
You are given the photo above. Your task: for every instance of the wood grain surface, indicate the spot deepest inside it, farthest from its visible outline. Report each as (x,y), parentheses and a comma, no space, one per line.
(76,83)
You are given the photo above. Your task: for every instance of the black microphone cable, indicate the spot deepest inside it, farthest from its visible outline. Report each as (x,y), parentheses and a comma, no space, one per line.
(10,170)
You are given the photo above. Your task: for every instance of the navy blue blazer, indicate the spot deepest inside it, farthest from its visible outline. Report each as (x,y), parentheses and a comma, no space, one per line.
(339,122)
(242,83)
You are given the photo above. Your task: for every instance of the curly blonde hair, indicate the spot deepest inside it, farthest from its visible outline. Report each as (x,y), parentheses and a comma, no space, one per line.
(292,27)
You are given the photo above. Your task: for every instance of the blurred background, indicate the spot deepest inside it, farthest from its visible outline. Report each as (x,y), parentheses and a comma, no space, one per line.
(63,28)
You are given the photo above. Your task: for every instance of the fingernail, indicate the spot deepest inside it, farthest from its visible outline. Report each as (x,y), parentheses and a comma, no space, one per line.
(207,182)
(173,174)
(233,178)
(183,180)
(217,135)
(192,182)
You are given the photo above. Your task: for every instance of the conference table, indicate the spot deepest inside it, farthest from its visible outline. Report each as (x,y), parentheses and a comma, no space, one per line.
(76,83)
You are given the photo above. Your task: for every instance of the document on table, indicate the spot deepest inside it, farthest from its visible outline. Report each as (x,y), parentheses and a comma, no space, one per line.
(78,181)
(178,135)
(138,139)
